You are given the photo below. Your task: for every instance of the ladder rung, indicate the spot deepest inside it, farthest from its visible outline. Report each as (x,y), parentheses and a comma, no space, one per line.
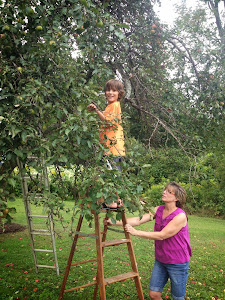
(37,216)
(43,250)
(109,280)
(40,233)
(83,262)
(91,235)
(120,277)
(115,242)
(115,230)
(80,287)
(41,230)
(44,266)
(36,194)
(26,177)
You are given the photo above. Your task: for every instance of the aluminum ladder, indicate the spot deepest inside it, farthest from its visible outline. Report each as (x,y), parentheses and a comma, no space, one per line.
(25,178)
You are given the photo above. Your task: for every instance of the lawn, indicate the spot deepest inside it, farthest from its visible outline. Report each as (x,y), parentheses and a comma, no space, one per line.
(20,281)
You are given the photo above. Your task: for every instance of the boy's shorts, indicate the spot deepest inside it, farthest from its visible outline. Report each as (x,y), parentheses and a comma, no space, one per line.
(178,274)
(115,164)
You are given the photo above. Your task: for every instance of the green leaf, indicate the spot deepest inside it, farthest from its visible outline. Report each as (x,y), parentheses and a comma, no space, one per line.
(139,189)
(23,136)
(124,26)
(89,144)
(12,182)
(99,195)
(120,35)
(5,96)
(63,158)
(78,139)
(18,152)
(67,131)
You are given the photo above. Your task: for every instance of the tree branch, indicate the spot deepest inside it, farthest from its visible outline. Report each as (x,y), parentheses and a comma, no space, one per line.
(159,122)
(189,57)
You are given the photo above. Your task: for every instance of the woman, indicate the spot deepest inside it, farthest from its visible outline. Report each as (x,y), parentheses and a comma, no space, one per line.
(172,244)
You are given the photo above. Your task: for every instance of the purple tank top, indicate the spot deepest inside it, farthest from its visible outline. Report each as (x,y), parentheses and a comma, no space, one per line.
(176,249)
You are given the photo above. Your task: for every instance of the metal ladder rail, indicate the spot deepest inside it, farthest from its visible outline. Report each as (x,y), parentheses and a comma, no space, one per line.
(30,217)
(45,232)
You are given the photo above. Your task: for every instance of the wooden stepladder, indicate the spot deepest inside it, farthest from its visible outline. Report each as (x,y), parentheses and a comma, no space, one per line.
(101,243)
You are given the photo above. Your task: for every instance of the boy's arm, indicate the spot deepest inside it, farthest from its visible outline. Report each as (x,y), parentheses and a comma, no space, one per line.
(100,114)
(93,107)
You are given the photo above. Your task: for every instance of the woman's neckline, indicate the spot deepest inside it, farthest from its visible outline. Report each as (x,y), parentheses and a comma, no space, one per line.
(169,213)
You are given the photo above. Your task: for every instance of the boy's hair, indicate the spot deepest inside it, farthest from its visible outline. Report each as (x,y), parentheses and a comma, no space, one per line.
(179,192)
(115,85)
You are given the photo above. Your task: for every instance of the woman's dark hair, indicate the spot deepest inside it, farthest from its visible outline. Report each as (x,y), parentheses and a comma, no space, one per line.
(115,85)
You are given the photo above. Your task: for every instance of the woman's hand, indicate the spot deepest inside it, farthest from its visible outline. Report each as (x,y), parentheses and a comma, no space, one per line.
(107,221)
(130,229)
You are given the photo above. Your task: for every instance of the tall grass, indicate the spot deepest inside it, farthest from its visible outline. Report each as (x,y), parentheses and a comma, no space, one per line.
(20,281)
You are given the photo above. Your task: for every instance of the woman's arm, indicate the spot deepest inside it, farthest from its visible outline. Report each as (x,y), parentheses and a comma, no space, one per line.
(172,228)
(134,221)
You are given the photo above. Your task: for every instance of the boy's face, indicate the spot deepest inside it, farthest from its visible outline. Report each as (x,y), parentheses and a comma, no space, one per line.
(112,95)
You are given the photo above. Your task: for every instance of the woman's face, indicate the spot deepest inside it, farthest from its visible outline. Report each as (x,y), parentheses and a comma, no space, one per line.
(112,95)
(169,194)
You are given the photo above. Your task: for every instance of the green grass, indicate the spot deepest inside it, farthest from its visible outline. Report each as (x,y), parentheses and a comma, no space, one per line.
(20,281)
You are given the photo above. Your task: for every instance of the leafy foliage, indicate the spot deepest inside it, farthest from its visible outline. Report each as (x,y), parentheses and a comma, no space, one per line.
(55,58)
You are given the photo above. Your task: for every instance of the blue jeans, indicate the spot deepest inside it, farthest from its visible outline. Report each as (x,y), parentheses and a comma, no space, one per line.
(178,274)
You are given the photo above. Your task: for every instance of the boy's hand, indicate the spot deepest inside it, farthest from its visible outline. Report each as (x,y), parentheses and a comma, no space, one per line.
(92,107)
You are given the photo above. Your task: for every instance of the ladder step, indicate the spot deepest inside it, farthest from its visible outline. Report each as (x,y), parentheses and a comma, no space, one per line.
(91,235)
(33,157)
(41,230)
(44,266)
(40,233)
(80,287)
(83,262)
(120,277)
(109,280)
(43,250)
(115,242)
(26,177)
(37,216)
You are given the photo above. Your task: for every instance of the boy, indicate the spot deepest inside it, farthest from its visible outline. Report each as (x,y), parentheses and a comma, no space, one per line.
(111,133)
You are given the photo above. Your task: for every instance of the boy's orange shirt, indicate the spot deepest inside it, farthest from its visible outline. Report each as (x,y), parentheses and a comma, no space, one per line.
(111,134)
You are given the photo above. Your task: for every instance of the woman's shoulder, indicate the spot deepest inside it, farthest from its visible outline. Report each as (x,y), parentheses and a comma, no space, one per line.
(179,211)
(159,209)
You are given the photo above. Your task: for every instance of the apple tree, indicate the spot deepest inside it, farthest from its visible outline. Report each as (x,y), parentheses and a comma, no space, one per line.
(45,91)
